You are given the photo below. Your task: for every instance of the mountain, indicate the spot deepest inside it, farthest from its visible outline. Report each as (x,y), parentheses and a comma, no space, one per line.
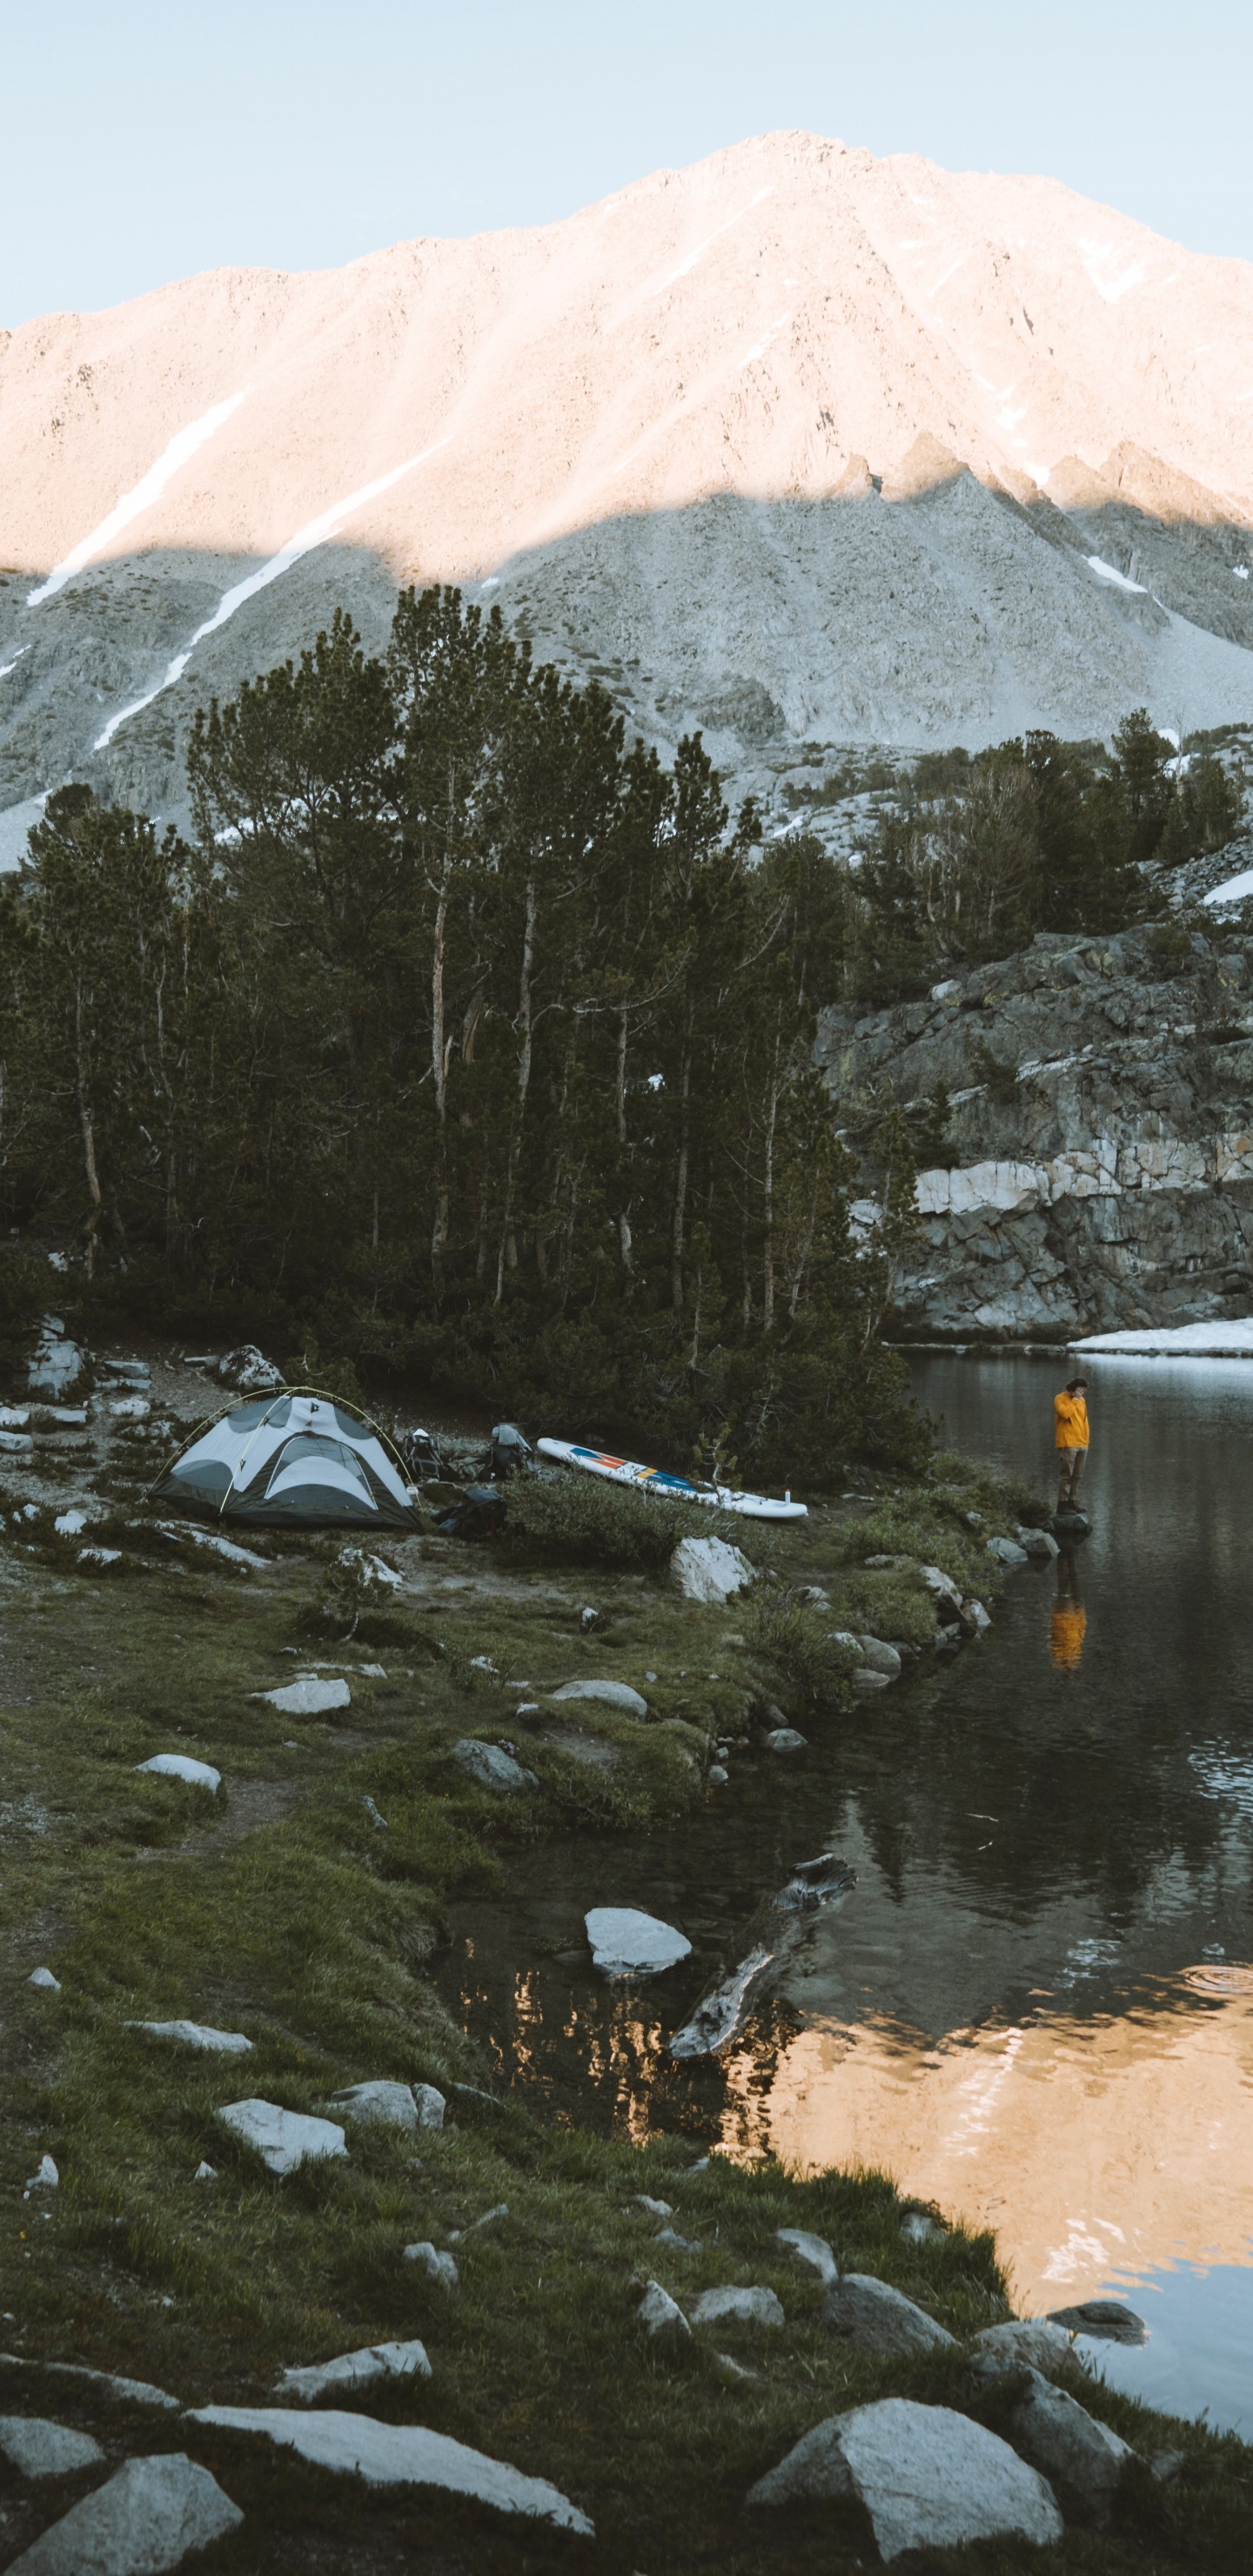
(807,448)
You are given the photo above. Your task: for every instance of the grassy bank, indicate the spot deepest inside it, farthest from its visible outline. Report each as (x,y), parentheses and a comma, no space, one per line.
(289,1909)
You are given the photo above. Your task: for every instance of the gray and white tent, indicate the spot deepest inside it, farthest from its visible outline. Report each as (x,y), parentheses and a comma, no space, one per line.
(294,1457)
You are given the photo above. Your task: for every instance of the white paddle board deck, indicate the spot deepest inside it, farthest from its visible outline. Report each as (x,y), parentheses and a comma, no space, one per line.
(654,1480)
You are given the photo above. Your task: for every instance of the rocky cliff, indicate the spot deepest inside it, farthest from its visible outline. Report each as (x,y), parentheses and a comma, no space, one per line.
(1098,1161)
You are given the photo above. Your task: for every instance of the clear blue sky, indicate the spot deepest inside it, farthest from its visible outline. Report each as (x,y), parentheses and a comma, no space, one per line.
(145,142)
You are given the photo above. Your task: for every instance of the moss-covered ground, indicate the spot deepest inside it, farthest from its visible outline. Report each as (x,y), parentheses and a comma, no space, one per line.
(283,1908)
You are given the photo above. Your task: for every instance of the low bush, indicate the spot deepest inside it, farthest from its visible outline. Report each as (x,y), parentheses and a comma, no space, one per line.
(794,1642)
(587,1521)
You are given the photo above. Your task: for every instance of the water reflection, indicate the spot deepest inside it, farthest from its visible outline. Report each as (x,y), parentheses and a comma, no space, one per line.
(1035,2008)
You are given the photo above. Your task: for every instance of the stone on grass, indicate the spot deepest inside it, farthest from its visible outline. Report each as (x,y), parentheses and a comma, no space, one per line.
(613,1694)
(937,1582)
(977,1615)
(44,1977)
(283,2139)
(47,2178)
(655,2208)
(870,2316)
(194,2034)
(430,2104)
(729,2306)
(308,1696)
(928,2478)
(659,2314)
(205,2172)
(492,1767)
(379,2100)
(351,2370)
(17,1444)
(1107,2320)
(1025,2340)
(866,1679)
(1006,1551)
(671,2236)
(717,1775)
(813,2251)
(707,1569)
(1082,2458)
(401,2455)
(135,2392)
(438,2267)
(786,1739)
(879,1658)
(151,2515)
(182,1766)
(626,1943)
(70,1524)
(38,2448)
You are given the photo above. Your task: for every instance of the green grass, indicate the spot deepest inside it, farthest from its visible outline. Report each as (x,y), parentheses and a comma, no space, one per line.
(281,1909)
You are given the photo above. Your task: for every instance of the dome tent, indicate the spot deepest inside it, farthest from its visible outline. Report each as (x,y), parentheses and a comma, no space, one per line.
(296,1457)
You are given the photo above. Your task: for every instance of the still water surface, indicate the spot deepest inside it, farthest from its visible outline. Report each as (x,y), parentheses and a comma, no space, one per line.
(1036,2007)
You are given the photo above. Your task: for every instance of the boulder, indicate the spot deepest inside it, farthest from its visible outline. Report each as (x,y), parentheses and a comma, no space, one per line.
(437,2267)
(310,1695)
(867,1679)
(717,1775)
(756,2307)
(813,1883)
(283,2139)
(38,2448)
(870,2316)
(148,2517)
(1029,2341)
(626,1943)
(44,1977)
(659,2314)
(380,2100)
(1037,1542)
(613,1694)
(813,2251)
(974,1611)
(58,1363)
(1106,2320)
(878,1658)
(127,2392)
(786,1739)
(491,1767)
(1082,2458)
(400,2455)
(431,2106)
(249,1370)
(181,1766)
(937,1582)
(1006,1551)
(47,2178)
(351,2370)
(928,2478)
(194,2034)
(707,1569)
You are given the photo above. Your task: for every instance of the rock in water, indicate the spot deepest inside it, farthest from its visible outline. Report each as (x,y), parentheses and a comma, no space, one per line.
(756,2307)
(1006,1551)
(813,1883)
(718,2015)
(928,2478)
(491,1767)
(626,1943)
(351,2370)
(870,2316)
(707,1569)
(878,1658)
(150,2517)
(1037,1542)
(400,2455)
(284,2139)
(38,2448)
(613,1694)
(785,1739)
(1107,2320)
(1083,2459)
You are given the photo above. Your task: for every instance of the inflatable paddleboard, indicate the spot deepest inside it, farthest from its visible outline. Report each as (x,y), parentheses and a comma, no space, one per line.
(654,1480)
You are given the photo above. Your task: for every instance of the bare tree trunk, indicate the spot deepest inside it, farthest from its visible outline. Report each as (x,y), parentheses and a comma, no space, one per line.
(681,1174)
(508,1254)
(87,1130)
(439,1072)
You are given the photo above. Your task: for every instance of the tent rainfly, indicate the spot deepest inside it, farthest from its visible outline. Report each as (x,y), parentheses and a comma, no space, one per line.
(295,1458)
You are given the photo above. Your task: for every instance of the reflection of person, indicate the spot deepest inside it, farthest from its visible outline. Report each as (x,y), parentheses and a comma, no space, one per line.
(1070,1619)
(1070,1416)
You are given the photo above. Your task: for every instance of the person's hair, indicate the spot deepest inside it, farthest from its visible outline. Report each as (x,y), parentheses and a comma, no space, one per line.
(1073,1382)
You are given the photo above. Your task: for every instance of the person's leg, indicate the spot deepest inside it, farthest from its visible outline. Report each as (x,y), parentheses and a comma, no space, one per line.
(1080,1459)
(1065,1473)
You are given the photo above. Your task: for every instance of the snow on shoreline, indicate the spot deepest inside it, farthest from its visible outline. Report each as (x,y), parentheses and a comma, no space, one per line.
(1197,1341)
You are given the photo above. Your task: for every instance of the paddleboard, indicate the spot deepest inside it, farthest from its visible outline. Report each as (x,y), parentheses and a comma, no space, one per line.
(655,1480)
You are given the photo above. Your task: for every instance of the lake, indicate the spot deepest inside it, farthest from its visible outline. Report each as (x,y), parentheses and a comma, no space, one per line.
(1036,2007)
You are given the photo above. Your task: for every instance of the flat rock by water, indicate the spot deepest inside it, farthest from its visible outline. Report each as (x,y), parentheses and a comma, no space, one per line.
(1081,2457)
(870,2316)
(928,2478)
(400,2455)
(149,2517)
(626,1943)
(1106,2320)
(1032,2341)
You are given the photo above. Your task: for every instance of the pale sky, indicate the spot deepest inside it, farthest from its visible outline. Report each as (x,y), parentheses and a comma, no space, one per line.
(145,142)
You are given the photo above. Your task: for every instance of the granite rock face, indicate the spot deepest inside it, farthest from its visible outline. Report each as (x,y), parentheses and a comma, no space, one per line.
(1099,1169)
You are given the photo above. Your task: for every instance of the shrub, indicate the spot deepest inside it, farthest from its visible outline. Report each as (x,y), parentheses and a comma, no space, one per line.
(586,1521)
(795,1642)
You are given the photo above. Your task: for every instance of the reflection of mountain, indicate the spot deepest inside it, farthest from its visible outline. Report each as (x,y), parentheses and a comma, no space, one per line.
(1094,2148)
(797,445)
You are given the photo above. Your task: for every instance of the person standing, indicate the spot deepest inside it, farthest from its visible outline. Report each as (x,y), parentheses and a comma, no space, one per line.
(1070,1416)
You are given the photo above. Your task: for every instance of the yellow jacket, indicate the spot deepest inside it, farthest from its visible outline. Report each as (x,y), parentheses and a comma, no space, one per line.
(1071,1414)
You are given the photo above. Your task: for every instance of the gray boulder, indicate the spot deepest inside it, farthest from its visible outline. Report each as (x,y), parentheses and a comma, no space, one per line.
(431,2106)
(1082,2458)
(928,2478)
(813,2251)
(1037,1542)
(351,2370)
(659,2314)
(870,2316)
(1006,1551)
(707,1569)
(183,1766)
(149,2517)
(786,1739)
(756,2307)
(1106,2320)
(492,1767)
(195,2034)
(1030,2342)
(879,1658)
(611,1694)
(866,1679)
(283,2139)
(38,2448)
(390,2103)
(627,1943)
(397,2455)
(437,2267)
